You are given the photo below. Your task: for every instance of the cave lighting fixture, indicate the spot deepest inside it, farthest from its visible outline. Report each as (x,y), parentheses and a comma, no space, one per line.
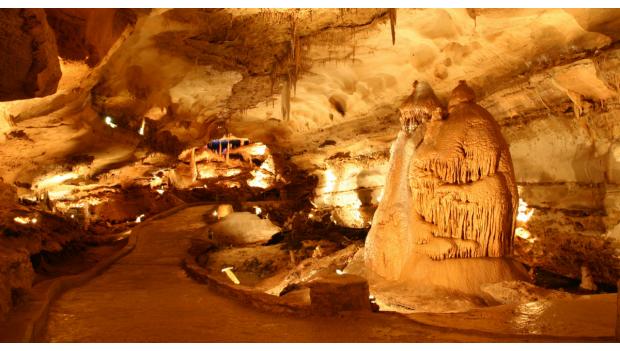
(139,218)
(25,220)
(141,130)
(231,275)
(108,120)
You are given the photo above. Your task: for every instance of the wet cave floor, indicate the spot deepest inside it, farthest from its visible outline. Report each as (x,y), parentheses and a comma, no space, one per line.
(147,297)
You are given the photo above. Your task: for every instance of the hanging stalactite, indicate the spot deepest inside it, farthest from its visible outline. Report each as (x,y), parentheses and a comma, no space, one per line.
(286,98)
(294,53)
(273,75)
(297,62)
(392,13)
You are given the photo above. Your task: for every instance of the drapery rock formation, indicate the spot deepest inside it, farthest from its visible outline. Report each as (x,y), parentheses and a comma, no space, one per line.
(462,182)
(463,197)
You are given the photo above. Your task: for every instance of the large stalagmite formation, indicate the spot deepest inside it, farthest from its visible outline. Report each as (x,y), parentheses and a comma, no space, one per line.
(388,242)
(454,197)
(462,183)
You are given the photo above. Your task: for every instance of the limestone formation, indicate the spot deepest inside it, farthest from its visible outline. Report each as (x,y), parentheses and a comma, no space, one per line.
(386,253)
(462,183)
(453,199)
(184,175)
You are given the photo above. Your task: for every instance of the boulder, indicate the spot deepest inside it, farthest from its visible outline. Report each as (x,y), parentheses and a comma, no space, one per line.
(331,293)
(242,228)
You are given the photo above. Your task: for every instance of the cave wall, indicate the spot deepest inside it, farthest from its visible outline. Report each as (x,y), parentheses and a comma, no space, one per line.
(562,125)
(87,34)
(29,64)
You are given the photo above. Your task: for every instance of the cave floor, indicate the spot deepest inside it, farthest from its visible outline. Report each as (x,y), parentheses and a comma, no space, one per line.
(147,297)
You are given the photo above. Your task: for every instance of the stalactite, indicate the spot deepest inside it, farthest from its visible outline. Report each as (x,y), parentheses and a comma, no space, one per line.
(392,13)
(286,99)
(473,13)
(297,63)
(273,75)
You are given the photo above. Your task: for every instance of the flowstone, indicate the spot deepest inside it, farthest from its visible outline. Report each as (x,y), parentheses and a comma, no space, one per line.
(448,212)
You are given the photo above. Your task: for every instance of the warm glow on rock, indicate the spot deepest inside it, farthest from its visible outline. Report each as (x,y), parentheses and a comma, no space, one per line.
(522,233)
(264,176)
(330,181)
(55,180)
(257,149)
(524,215)
(232,172)
(22,220)
(207,172)
(58,194)
(229,184)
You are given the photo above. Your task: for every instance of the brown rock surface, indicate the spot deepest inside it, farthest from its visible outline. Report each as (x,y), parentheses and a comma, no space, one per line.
(88,34)
(331,293)
(29,64)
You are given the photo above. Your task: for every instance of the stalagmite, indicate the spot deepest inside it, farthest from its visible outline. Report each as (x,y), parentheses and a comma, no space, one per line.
(587,283)
(462,183)
(386,253)
(184,176)
(452,198)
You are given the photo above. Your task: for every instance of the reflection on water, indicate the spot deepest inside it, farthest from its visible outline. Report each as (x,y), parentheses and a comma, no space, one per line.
(528,317)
